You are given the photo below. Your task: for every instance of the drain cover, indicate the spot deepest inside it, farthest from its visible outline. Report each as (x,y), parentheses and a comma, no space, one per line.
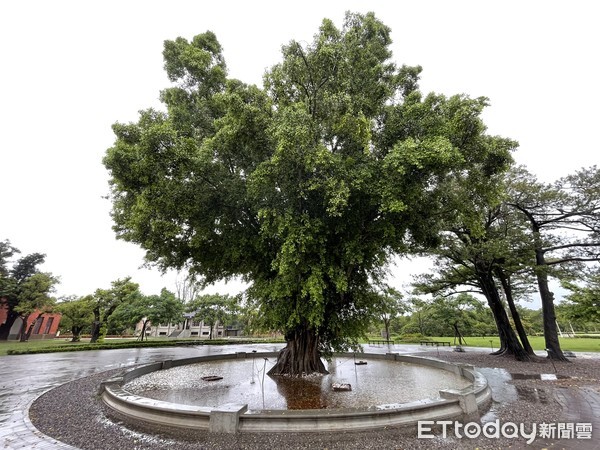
(212,378)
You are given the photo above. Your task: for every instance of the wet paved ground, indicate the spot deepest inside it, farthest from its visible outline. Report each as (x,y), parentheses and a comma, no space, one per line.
(23,378)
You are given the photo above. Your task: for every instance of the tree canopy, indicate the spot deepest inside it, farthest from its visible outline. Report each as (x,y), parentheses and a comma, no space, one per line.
(306,187)
(24,289)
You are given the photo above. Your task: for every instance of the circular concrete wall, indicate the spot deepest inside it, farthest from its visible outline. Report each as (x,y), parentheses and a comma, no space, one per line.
(231,418)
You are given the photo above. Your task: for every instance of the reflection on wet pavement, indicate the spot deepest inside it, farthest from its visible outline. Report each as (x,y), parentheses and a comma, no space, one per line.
(24,377)
(502,390)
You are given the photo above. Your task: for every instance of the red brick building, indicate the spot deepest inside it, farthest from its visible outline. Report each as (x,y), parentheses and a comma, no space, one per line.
(45,325)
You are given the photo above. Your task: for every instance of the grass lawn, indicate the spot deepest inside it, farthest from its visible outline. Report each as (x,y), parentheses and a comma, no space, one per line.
(41,344)
(62,344)
(5,346)
(578,344)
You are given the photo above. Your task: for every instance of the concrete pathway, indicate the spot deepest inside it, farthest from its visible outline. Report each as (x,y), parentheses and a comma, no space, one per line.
(23,378)
(580,406)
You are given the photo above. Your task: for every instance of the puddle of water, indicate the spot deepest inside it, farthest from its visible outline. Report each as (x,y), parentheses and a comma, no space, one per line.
(504,392)
(533,395)
(375,383)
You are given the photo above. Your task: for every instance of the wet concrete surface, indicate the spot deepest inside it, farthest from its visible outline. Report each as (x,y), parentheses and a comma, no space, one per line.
(25,377)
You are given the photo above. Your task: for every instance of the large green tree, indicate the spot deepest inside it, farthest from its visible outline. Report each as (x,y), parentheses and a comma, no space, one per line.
(583,301)
(483,251)
(106,301)
(77,315)
(305,188)
(23,288)
(149,309)
(33,295)
(213,309)
(564,220)
(389,304)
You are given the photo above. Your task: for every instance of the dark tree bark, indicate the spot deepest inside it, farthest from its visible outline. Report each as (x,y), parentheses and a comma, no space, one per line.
(76,332)
(509,342)
(24,333)
(96,326)
(300,356)
(506,286)
(143,334)
(95,331)
(546,296)
(30,329)
(386,324)
(6,326)
(548,312)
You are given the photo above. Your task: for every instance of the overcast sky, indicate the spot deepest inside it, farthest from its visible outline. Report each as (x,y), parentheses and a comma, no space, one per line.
(70,69)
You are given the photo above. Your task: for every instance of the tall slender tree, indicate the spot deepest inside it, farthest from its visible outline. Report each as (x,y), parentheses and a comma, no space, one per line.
(564,219)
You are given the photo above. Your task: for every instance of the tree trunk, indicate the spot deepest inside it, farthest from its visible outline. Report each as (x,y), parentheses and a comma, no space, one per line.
(549,315)
(500,329)
(143,333)
(420,322)
(301,356)
(95,331)
(386,323)
(506,286)
(507,335)
(30,329)
(23,335)
(547,297)
(76,332)
(95,326)
(11,316)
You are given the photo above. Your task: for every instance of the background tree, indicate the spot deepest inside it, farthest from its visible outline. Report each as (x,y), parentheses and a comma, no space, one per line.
(187,287)
(165,308)
(564,223)
(389,304)
(77,315)
(305,188)
(531,320)
(23,288)
(583,301)
(106,301)
(442,316)
(7,285)
(33,294)
(474,251)
(213,309)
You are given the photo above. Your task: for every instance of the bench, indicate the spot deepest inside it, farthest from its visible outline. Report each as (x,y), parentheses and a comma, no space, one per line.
(380,341)
(436,343)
